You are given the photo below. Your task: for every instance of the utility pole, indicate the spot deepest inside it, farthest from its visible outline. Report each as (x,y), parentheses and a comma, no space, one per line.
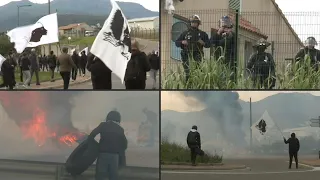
(49,11)
(250,125)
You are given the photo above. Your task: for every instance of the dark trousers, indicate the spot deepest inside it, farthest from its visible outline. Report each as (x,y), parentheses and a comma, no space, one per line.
(36,72)
(83,69)
(107,166)
(66,79)
(52,73)
(295,156)
(74,73)
(193,155)
(135,84)
(21,75)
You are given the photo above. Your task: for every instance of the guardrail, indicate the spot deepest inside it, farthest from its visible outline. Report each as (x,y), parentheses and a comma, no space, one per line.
(57,170)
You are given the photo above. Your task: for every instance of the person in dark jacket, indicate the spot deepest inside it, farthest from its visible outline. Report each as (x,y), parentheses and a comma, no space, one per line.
(154,61)
(25,66)
(311,51)
(137,68)
(113,144)
(192,42)
(7,69)
(100,74)
(225,38)
(35,67)
(52,63)
(76,59)
(194,143)
(262,66)
(294,147)
(83,63)
(45,63)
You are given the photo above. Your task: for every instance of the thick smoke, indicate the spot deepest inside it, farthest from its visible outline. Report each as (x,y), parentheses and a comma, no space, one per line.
(21,107)
(226,111)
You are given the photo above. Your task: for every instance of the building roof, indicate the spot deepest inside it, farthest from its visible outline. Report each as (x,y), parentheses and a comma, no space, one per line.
(247,25)
(287,22)
(143,19)
(70,26)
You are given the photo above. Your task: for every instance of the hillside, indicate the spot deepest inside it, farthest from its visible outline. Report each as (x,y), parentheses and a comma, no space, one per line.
(70,11)
(287,110)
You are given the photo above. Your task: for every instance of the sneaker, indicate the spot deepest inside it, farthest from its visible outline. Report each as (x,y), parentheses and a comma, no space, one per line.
(83,75)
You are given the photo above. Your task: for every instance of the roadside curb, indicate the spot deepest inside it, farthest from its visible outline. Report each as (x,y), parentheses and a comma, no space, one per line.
(71,84)
(214,168)
(308,164)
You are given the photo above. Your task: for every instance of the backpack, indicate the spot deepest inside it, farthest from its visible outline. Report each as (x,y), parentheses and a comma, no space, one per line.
(133,68)
(192,138)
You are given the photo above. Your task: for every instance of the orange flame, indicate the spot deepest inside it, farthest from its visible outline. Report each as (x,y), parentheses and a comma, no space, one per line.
(38,130)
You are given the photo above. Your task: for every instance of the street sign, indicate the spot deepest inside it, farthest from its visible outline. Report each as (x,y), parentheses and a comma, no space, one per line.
(315,122)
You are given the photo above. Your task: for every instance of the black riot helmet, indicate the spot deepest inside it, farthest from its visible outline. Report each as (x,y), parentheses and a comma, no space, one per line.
(194,127)
(311,42)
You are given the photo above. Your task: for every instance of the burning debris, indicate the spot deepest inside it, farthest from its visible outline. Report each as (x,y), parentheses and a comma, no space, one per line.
(42,116)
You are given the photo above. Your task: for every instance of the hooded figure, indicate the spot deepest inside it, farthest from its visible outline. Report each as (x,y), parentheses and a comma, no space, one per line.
(112,146)
(262,66)
(194,143)
(294,147)
(192,42)
(309,51)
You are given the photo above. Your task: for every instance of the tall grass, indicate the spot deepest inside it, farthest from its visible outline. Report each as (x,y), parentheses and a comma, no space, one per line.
(176,153)
(214,74)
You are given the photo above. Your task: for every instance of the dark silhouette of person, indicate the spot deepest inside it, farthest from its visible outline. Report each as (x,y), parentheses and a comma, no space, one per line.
(294,147)
(37,34)
(112,146)
(194,143)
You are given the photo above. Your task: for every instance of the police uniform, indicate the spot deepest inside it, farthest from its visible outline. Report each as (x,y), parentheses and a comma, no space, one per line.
(194,49)
(262,66)
(314,56)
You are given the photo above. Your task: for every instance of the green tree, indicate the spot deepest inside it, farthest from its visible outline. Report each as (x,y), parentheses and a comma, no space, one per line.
(5,45)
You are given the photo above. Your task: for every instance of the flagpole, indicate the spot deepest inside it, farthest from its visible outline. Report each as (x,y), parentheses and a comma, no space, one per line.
(250,125)
(49,7)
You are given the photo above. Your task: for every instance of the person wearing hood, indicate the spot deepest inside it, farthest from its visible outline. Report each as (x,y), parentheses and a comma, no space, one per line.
(112,146)
(294,147)
(262,66)
(311,51)
(137,68)
(192,42)
(194,143)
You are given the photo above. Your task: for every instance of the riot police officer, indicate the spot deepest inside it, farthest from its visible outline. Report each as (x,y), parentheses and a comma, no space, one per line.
(262,66)
(225,38)
(310,50)
(192,42)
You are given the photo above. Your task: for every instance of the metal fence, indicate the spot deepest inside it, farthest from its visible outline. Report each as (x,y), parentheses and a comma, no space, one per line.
(285,31)
(151,34)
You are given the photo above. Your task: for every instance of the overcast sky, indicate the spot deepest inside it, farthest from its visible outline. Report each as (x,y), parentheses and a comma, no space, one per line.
(175,101)
(152,5)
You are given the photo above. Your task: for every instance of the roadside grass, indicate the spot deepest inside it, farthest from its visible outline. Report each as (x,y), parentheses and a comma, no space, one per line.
(173,153)
(214,74)
(43,76)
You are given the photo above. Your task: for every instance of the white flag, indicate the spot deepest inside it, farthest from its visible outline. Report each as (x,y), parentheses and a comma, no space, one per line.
(263,127)
(113,42)
(85,50)
(44,31)
(2,59)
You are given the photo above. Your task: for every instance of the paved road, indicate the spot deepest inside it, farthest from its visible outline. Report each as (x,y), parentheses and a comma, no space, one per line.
(262,169)
(116,84)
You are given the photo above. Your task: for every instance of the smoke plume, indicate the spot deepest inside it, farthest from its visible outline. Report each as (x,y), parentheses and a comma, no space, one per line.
(226,111)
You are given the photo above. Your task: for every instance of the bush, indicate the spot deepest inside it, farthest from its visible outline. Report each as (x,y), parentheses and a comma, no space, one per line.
(213,74)
(175,153)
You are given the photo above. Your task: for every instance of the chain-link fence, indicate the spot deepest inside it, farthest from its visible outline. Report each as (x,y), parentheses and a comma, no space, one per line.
(286,33)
